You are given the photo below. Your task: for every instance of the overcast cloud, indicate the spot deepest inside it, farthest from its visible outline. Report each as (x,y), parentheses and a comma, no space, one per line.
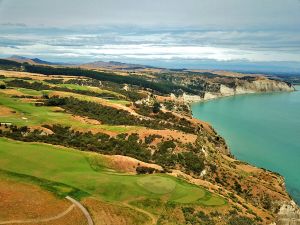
(203,13)
(124,30)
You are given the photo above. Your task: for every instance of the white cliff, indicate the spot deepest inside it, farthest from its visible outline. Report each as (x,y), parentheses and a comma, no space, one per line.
(245,87)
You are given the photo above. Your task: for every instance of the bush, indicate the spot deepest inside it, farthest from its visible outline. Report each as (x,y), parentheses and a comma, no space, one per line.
(193,162)
(239,220)
(156,107)
(144,170)
(55,101)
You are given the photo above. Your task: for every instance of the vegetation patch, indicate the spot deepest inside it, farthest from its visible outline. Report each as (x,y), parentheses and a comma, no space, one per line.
(71,168)
(59,189)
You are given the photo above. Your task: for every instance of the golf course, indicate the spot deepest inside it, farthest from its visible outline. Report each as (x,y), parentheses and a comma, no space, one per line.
(71,167)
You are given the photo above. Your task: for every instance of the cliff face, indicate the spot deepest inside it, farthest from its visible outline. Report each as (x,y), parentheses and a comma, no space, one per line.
(252,189)
(289,214)
(242,87)
(263,85)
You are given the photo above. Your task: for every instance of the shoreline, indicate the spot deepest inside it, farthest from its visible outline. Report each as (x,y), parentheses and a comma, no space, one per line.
(220,96)
(289,212)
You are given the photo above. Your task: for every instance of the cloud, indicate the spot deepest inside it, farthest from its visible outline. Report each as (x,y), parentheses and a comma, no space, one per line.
(185,47)
(171,13)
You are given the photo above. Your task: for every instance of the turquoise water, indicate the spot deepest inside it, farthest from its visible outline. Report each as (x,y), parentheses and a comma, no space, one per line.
(261,129)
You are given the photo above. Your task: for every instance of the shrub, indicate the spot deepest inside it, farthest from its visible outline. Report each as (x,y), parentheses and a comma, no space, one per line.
(144,170)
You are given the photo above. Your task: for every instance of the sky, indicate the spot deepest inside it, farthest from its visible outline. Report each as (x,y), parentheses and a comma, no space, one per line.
(229,34)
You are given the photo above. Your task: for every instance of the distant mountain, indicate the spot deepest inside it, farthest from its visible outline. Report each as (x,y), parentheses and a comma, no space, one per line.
(116,65)
(23,59)
(39,61)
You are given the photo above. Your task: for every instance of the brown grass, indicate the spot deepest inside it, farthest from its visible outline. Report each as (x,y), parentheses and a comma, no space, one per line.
(20,201)
(11,92)
(36,76)
(112,214)
(127,164)
(25,201)
(5,111)
(167,135)
(95,99)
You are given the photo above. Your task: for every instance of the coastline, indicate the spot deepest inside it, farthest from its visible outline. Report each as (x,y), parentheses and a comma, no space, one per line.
(289,212)
(190,99)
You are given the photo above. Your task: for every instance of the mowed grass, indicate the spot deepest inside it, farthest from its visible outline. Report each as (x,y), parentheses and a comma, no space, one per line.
(92,89)
(90,98)
(72,168)
(27,114)
(32,92)
(157,184)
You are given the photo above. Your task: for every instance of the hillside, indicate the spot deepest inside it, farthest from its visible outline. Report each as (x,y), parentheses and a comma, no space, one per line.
(125,146)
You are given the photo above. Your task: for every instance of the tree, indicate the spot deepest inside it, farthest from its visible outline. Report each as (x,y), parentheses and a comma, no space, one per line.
(156,107)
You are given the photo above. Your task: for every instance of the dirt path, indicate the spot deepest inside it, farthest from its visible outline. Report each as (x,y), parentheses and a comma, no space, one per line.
(74,204)
(41,220)
(84,211)
(153,218)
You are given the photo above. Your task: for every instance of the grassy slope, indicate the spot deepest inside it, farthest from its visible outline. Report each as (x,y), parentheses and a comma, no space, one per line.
(72,167)
(96,90)
(45,115)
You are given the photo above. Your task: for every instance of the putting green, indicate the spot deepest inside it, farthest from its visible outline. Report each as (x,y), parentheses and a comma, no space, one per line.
(157,185)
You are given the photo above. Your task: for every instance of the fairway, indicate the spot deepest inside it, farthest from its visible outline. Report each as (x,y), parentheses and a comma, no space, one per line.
(71,167)
(27,114)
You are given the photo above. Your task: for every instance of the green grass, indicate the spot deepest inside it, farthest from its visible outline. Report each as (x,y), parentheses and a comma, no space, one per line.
(96,90)
(120,102)
(158,185)
(88,88)
(59,189)
(72,168)
(28,114)
(32,92)
(94,99)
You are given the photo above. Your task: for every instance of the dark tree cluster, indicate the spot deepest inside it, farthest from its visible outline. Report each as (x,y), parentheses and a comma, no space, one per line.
(192,216)
(144,170)
(177,123)
(10,65)
(113,116)
(38,86)
(149,139)
(161,87)
(128,145)
(99,142)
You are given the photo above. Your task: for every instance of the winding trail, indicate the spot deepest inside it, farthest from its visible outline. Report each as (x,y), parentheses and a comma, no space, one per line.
(60,215)
(41,220)
(153,218)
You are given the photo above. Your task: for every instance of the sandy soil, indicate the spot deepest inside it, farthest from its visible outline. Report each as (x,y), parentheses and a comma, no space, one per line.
(127,164)
(5,111)
(86,120)
(167,135)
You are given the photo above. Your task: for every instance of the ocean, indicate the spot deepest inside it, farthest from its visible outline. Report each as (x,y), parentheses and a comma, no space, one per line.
(261,129)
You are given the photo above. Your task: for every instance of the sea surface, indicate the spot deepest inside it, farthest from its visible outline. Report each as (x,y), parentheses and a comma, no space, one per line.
(261,129)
